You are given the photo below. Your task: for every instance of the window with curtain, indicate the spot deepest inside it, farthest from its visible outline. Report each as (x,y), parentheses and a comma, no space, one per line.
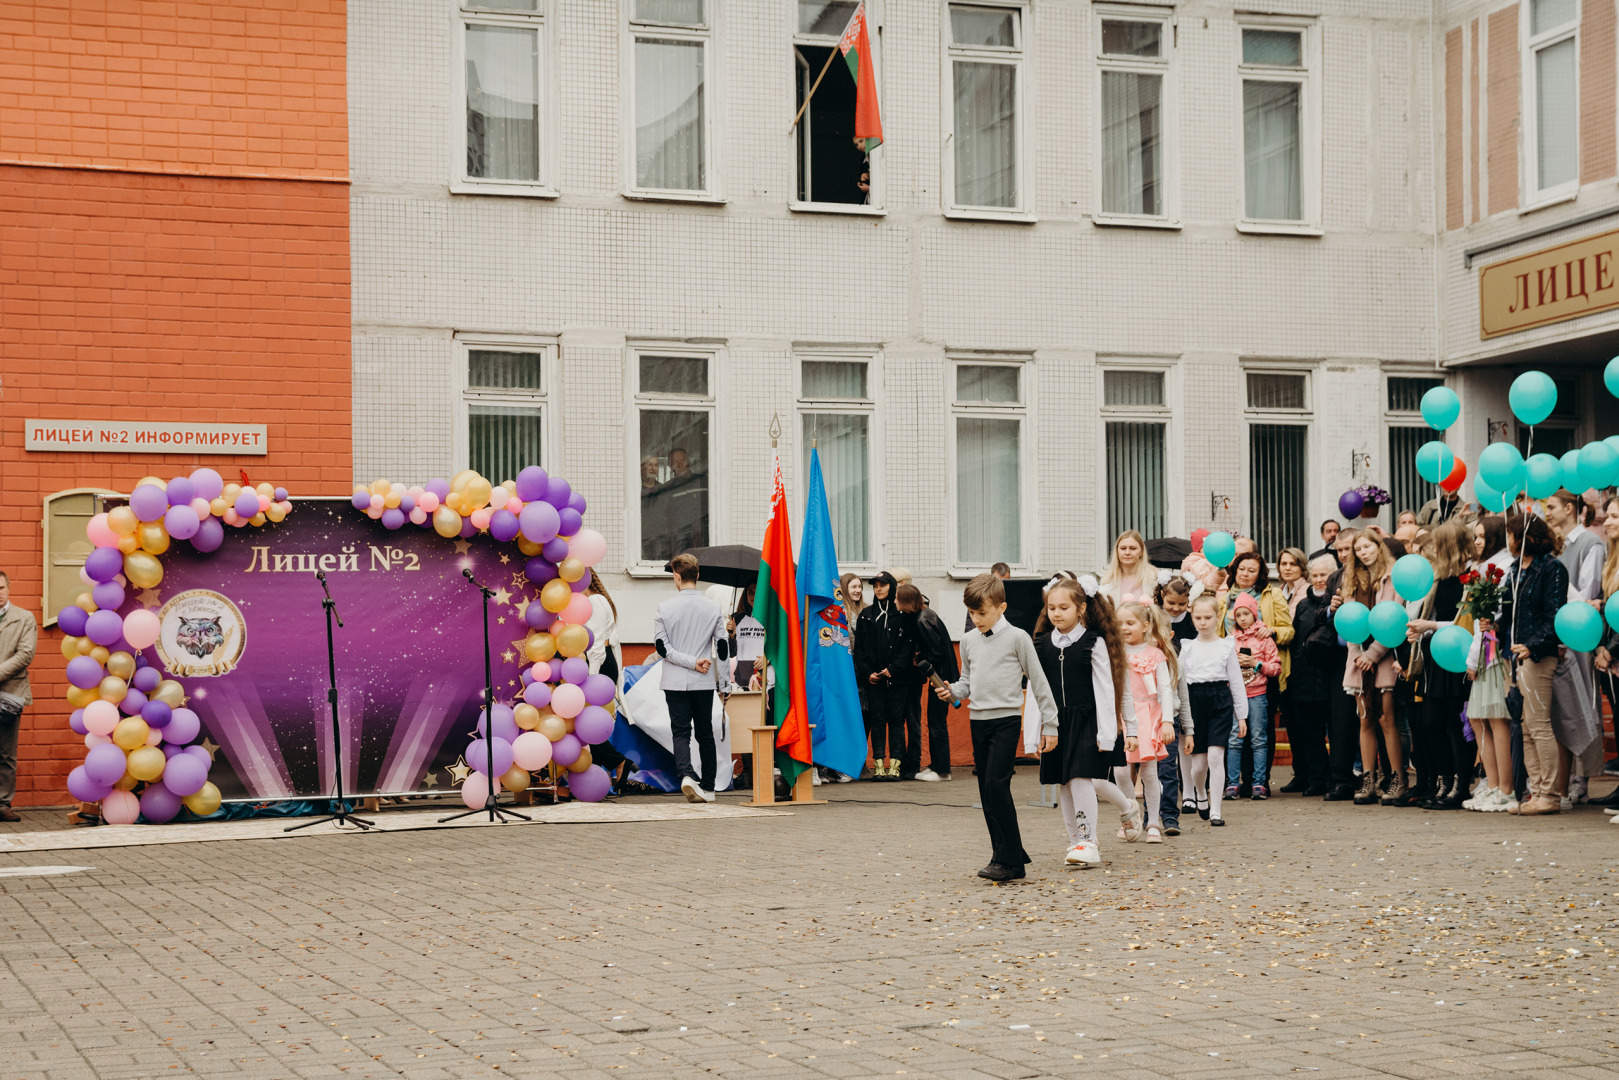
(988,428)
(1134,66)
(505,402)
(985,58)
(671,116)
(1277,471)
(1274,78)
(837,411)
(674,415)
(1136,421)
(503,84)
(1553,111)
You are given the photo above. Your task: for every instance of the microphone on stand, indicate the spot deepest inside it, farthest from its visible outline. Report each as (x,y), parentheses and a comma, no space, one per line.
(934,678)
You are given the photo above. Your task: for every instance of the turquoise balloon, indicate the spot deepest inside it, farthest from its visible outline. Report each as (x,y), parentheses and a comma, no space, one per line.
(1544,475)
(1434,461)
(1612,609)
(1388,621)
(1597,465)
(1579,626)
(1533,397)
(1610,376)
(1491,500)
(1501,467)
(1450,646)
(1613,441)
(1571,467)
(1412,577)
(1353,622)
(1219,548)
(1441,406)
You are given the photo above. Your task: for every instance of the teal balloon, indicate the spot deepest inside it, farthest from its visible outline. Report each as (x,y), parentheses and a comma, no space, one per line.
(1441,406)
(1450,646)
(1533,397)
(1612,610)
(1388,620)
(1434,461)
(1491,500)
(1501,467)
(1219,548)
(1597,465)
(1544,475)
(1610,376)
(1412,577)
(1353,622)
(1571,467)
(1613,441)
(1579,626)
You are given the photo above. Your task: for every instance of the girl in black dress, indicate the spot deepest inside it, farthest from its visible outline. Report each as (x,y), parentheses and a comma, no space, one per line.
(1077,641)
(1449,756)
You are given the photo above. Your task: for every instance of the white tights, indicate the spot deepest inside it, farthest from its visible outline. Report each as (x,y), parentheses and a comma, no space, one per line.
(1202,766)
(1078,797)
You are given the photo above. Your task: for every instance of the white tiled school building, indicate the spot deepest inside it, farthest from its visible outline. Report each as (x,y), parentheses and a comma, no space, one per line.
(1158,266)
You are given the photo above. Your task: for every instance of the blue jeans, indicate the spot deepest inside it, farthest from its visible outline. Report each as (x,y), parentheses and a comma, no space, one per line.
(1257,740)
(1169,775)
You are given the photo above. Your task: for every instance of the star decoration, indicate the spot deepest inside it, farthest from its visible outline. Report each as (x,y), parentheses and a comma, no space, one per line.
(501,620)
(502,596)
(149,599)
(504,558)
(508,657)
(210,746)
(522,607)
(463,546)
(430,779)
(459,771)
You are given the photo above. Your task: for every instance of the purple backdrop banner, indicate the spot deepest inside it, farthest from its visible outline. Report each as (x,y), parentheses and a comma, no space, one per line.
(243,631)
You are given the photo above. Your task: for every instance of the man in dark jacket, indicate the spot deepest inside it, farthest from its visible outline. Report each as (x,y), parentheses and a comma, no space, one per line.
(1343,733)
(1318,665)
(884,651)
(933,645)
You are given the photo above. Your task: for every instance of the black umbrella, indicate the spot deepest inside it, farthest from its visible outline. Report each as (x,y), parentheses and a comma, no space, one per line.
(736,565)
(1168,552)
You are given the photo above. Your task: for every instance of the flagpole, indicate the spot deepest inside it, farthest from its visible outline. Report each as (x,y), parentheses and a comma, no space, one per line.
(824,69)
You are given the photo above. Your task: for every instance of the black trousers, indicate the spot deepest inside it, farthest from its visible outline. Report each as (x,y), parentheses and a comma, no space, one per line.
(887,716)
(1307,734)
(938,733)
(688,710)
(1344,734)
(910,761)
(995,745)
(1444,750)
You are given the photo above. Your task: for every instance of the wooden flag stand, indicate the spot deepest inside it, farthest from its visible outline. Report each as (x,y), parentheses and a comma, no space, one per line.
(763,746)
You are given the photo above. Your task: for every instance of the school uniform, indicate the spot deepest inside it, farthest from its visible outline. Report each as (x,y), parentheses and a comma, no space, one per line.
(1077,668)
(1181,631)
(1212,697)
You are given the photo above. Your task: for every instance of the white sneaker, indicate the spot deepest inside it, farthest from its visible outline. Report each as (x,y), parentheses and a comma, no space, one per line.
(837,777)
(930,776)
(1084,853)
(1481,799)
(708,796)
(1130,818)
(1508,804)
(1611,810)
(1566,803)
(691,789)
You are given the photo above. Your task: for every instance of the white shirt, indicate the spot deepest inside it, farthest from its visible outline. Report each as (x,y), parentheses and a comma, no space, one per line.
(1101,689)
(1211,662)
(1585,583)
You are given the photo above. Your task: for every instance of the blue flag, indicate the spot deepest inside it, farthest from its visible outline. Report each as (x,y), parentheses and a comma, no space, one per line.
(829,682)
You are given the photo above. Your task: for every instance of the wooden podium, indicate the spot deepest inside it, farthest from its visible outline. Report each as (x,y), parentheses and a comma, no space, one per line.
(762,746)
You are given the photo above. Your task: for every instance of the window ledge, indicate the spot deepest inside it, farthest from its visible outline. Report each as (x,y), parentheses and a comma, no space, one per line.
(854,209)
(1013,217)
(522,191)
(1125,221)
(1279,228)
(1553,200)
(967,573)
(648,571)
(698,197)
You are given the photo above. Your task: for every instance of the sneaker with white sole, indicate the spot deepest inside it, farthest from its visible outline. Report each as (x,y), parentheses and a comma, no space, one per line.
(707,795)
(930,776)
(1565,803)
(1084,853)
(1130,818)
(1480,799)
(691,789)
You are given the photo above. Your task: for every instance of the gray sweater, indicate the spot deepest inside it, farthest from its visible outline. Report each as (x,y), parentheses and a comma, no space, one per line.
(993,667)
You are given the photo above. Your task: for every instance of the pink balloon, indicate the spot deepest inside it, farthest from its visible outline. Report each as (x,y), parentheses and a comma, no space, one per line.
(514,504)
(418,516)
(120,808)
(588,546)
(154,736)
(578,611)
(264,503)
(203,508)
(541,671)
(100,717)
(100,533)
(92,739)
(567,701)
(428,501)
(531,751)
(141,628)
(475,790)
(480,518)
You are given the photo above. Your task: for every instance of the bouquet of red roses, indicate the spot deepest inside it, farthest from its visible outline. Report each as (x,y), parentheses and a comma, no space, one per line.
(1482,592)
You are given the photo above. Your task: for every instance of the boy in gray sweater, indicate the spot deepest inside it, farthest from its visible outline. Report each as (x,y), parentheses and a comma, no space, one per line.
(996,658)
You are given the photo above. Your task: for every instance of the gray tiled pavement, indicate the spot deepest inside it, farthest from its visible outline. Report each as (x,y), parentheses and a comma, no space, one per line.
(848,940)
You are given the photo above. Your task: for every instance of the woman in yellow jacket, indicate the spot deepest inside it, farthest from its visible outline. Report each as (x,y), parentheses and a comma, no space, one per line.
(1249,574)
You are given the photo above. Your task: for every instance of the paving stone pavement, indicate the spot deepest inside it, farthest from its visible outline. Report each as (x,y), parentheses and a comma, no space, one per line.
(847,940)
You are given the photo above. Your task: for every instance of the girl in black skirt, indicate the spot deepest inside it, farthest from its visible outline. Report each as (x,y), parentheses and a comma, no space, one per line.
(1077,641)
(1213,700)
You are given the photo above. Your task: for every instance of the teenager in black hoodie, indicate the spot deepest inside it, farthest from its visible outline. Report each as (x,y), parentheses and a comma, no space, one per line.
(934,646)
(884,648)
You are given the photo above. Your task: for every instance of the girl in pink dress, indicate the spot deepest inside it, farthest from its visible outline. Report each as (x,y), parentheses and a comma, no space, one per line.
(1150,659)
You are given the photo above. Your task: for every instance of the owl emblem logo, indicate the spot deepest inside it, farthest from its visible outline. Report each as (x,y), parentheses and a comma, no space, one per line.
(199,637)
(202,635)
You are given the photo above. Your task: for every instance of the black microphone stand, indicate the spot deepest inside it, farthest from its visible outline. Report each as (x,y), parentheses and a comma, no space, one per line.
(496,811)
(342,816)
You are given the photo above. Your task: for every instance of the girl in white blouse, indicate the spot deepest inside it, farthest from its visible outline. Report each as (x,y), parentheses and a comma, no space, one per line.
(1212,701)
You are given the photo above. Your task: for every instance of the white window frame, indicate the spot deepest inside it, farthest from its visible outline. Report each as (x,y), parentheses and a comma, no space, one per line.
(1309,80)
(1534,196)
(1167,414)
(873,208)
(1019,58)
(1027,488)
(875,464)
(1164,66)
(1403,419)
(543,21)
(707,35)
(467,395)
(1301,417)
(635,401)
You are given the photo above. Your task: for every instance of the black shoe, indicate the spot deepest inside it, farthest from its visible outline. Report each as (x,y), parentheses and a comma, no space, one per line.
(1189,806)
(998,872)
(1341,793)
(1172,830)
(8,814)
(1293,787)
(1203,812)
(1316,792)
(1610,799)
(1217,821)
(1243,791)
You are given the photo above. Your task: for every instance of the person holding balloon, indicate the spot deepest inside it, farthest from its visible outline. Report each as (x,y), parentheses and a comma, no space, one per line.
(1576,718)
(1606,657)
(1488,667)
(1536,588)
(1372,670)
(1436,582)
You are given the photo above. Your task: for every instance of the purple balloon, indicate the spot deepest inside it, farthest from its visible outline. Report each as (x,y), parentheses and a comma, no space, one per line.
(146,679)
(538,695)
(200,754)
(598,689)
(247,504)
(438,486)
(570,521)
(104,627)
(209,536)
(279,494)
(70,620)
(539,522)
(503,525)
(540,569)
(159,804)
(76,722)
(478,753)
(185,774)
(184,726)
(169,749)
(594,724)
(505,724)
(575,669)
(558,491)
(134,701)
(105,764)
(555,549)
(576,502)
(140,661)
(592,785)
(537,617)
(207,484)
(108,595)
(149,502)
(527,677)
(182,522)
(468,529)
(83,788)
(361,500)
(393,518)
(85,672)
(1350,504)
(181,491)
(565,751)
(104,564)
(407,503)
(157,714)
(582,584)
(531,483)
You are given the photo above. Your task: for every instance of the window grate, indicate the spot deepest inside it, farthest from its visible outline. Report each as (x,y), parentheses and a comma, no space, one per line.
(1405,393)
(1270,390)
(1278,466)
(1133,388)
(1135,478)
(1406,487)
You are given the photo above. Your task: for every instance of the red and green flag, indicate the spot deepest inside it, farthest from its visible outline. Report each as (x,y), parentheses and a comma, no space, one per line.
(775,605)
(856,48)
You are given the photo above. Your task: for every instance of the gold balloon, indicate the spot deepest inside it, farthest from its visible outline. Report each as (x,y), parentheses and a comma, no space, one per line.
(476,495)
(130,734)
(161,485)
(578,766)
(380,487)
(122,520)
(113,689)
(79,697)
(528,717)
(217,506)
(458,482)
(391,500)
(146,763)
(276,513)
(204,802)
(153,537)
(169,693)
(143,569)
(515,779)
(528,547)
(84,601)
(86,647)
(256,519)
(540,647)
(231,491)
(454,502)
(127,782)
(567,724)
(554,596)
(122,665)
(573,641)
(571,570)
(99,653)
(266,490)
(70,646)
(127,544)
(551,726)
(446,522)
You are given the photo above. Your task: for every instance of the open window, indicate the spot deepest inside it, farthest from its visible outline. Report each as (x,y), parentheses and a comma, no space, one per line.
(832,167)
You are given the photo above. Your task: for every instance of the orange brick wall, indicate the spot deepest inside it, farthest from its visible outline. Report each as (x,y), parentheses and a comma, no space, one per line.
(145,297)
(1597,81)
(1501,164)
(246,87)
